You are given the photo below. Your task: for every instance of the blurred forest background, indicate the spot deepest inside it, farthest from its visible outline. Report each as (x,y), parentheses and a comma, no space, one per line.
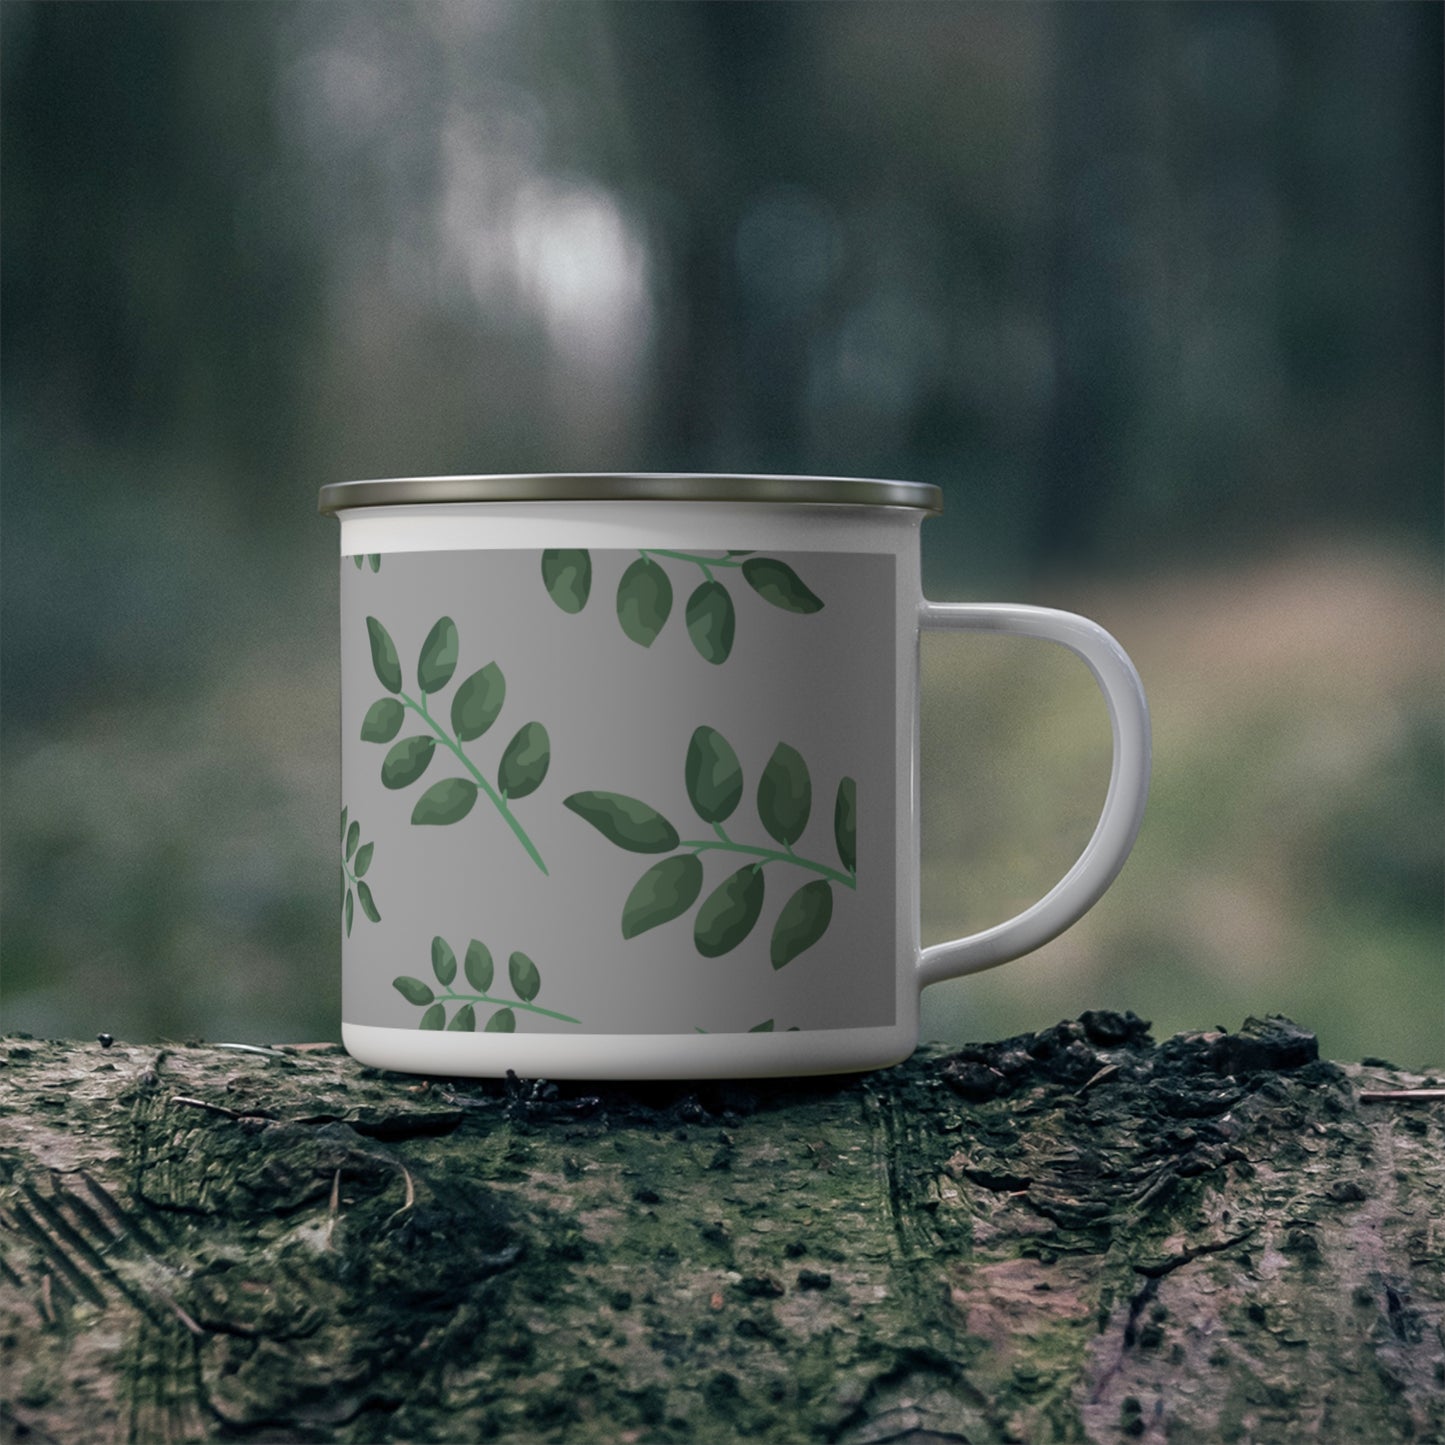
(1152,291)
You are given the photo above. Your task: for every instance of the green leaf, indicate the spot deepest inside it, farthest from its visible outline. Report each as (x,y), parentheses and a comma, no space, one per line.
(358,559)
(766,1027)
(524,761)
(644,601)
(382,721)
(729,912)
(504,1021)
(363,859)
(343,825)
(448,801)
(438,658)
(407,761)
(526,979)
(368,903)
(845,824)
(413,990)
(714,775)
(627,822)
(443,961)
(434,1018)
(785,795)
(375,559)
(478,966)
(567,573)
(777,583)
(803,921)
(353,837)
(667,890)
(350,909)
(464,1020)
(476,703)
(711,620)
(383,656)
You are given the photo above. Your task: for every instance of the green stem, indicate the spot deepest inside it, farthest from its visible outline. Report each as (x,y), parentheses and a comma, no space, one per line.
(497,800)
(768,855)
(703,562)
(531,1008)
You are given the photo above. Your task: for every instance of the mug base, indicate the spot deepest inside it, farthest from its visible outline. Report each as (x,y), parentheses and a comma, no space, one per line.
(625,1057)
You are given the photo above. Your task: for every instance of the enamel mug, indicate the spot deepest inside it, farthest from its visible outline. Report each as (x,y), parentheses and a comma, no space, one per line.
(630,774)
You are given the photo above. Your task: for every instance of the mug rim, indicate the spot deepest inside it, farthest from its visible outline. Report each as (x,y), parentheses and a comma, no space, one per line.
(629,487)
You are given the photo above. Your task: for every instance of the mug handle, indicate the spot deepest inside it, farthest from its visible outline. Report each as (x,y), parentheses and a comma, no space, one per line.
(1099,864)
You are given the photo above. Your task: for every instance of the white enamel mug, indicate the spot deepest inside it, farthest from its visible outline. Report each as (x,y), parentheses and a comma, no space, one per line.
(630,775)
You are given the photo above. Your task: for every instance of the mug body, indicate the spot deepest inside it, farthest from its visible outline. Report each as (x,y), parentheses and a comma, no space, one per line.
(629,780)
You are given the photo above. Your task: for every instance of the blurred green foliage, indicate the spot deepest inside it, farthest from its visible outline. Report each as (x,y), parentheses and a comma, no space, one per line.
(1152,291)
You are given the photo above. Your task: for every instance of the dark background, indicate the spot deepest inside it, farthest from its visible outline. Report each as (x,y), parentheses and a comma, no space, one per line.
(1153,292)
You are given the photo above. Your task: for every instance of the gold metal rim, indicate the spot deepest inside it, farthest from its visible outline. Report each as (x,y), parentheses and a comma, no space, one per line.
(630,487)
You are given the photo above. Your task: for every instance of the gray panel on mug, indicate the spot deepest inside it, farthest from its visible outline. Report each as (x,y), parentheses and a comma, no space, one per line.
(606,666)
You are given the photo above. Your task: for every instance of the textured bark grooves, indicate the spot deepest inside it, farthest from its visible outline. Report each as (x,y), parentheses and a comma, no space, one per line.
(1073,1235)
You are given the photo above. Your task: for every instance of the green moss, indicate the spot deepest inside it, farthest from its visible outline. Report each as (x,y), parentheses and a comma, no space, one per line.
(999,1267)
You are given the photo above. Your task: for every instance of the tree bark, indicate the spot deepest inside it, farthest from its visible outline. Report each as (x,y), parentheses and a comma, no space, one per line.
(1074,1235)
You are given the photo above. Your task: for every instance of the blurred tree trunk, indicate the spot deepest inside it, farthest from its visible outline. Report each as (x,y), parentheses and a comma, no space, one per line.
(1075,1235)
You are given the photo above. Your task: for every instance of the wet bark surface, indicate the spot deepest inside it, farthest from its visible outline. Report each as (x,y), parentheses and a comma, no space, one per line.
(1077,1235)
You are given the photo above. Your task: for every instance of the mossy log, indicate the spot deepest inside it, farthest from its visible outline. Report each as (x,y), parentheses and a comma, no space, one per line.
(1073,1235)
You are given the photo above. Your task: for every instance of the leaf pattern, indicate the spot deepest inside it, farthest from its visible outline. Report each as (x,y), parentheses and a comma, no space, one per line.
(785,795)
(627,822)
(845,824)
(368,903)
(666,891)
(776,582)
(383,656)
(526,980)
(712,621)
(732,904)
(645,593)
(356,859)
(714,776)
(728,914)
(413,990)
(383,720)
(523,974)
(567,575)
(644,601)
(443,961)
(803,921)
(438,658)
(477,966)
(525,762)
(407,761)
(448,801)
(477,702)
(475,705)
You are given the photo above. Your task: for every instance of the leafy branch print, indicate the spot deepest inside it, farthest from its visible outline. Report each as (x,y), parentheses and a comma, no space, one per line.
(355,860)
(478,971)
(715,786)
(645,594)
(372,559)
(476,704)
